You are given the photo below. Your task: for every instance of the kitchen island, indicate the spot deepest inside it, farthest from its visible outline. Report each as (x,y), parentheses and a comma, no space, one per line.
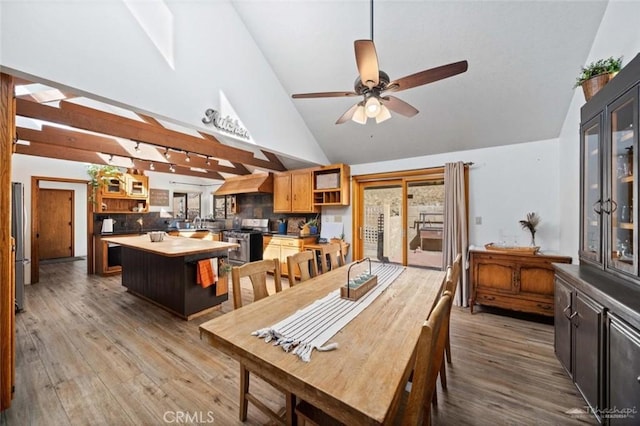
(164,272)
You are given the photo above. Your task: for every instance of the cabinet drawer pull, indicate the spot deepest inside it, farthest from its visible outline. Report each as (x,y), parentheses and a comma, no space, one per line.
(546,307)
(488,298)
(638,379)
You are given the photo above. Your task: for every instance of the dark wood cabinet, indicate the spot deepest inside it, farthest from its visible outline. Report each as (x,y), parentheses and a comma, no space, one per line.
(587,337)
(578,339)
(599,300)
(520,282)
(623,370)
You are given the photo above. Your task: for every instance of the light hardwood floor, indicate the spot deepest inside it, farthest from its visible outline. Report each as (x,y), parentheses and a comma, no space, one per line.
(90,353)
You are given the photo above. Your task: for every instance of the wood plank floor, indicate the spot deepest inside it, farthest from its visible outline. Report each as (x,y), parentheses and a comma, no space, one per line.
(90,353)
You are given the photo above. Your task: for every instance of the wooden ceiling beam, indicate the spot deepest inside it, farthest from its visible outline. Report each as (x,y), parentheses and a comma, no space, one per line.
(88,142)
(82,117)
(51,151)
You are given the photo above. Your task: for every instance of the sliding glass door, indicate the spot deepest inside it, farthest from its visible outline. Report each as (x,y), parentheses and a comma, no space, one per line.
(400,219)
(425,218)
(381,230)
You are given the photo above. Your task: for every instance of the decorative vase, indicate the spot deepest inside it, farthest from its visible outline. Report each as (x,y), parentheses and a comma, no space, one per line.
(595,84)
(533,240)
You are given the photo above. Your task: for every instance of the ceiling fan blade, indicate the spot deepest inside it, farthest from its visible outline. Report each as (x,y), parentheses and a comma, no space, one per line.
(427,76)
(399,106)
(347,115)
(323,95)
(367,62)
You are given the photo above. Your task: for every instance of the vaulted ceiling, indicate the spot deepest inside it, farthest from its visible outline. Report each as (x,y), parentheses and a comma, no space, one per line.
(523,58)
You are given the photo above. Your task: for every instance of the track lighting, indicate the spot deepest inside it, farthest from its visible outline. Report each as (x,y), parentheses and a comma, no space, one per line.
(208,162)
(172,169)
(151,166)
(137,148)
(167,154)
(110,160)
(131,161)
(187,158)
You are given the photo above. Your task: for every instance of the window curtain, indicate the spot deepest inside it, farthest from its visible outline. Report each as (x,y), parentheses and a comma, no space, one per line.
(455,235)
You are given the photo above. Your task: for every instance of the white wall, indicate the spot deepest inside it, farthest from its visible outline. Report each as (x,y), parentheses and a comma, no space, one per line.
(504,184)
(618,35)
(188,57)
(24,167)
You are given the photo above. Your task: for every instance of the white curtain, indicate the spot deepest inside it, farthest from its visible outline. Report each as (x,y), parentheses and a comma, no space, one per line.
(455,237)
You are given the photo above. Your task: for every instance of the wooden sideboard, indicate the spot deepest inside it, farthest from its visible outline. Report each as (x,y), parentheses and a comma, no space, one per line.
(520,282)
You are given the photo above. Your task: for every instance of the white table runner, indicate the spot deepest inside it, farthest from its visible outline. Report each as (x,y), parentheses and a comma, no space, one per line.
(311,327)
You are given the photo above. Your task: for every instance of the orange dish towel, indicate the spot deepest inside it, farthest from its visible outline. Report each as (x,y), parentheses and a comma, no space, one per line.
(206,272)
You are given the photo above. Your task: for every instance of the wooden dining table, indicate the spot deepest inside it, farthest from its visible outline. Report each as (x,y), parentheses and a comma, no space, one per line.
(360,382)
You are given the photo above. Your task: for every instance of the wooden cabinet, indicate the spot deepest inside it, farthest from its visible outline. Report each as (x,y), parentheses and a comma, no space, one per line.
(108,256)
(331,185)
(137,186)
(608,170)
(126,193)
(305,190)
(292,192)
(578,339)
(623,368)
(280,248)
(599,312)
(519,282)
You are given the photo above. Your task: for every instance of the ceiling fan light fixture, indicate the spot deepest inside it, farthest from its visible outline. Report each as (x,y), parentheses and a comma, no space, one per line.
(372,107)
(383,115)
(359,116)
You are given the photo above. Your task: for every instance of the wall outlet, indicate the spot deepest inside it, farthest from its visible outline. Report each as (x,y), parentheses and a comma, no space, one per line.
(478,220)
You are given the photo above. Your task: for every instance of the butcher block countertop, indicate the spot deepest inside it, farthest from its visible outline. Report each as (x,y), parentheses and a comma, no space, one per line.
(171,246)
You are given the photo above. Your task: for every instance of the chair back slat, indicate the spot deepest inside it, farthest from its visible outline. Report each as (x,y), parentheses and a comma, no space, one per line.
(303,263)
(257,273)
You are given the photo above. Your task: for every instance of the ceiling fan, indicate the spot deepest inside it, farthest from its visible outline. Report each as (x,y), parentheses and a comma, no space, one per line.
(373,85)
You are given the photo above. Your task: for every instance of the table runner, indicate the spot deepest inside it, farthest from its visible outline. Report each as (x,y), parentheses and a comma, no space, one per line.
(311,327)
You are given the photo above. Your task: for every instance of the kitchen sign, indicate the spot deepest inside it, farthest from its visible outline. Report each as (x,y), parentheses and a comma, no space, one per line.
(226,124)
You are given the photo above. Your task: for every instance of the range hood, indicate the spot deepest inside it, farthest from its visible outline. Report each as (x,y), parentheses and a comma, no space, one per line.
(248,184)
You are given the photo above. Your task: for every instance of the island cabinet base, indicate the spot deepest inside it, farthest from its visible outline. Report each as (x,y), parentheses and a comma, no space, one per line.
(170,282)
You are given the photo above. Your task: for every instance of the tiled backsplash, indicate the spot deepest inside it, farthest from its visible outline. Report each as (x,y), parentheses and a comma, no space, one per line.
(260,206)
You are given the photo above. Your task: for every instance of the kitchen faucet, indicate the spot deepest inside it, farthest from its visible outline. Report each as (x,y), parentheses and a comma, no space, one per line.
(197,222)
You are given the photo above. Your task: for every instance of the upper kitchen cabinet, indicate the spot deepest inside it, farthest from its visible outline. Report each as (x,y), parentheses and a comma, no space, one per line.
(137,186)
(292,192)
(609,170)
(331,185)
(124,193)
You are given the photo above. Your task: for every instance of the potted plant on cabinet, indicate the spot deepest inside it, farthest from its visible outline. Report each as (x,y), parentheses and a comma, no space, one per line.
(594,76)
(99,176)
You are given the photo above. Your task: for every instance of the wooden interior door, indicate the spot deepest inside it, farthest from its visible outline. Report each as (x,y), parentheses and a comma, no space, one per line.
(55,223)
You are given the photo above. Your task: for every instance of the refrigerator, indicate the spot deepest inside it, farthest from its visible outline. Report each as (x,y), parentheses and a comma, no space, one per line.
(18,224)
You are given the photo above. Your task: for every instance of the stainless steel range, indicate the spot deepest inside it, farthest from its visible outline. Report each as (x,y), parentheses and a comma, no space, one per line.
(249,237)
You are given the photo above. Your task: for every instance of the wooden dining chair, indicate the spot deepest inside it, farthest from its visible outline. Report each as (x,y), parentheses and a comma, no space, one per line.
(257,273)
(450,286)
(429,354)
(304,264)
(336,256)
